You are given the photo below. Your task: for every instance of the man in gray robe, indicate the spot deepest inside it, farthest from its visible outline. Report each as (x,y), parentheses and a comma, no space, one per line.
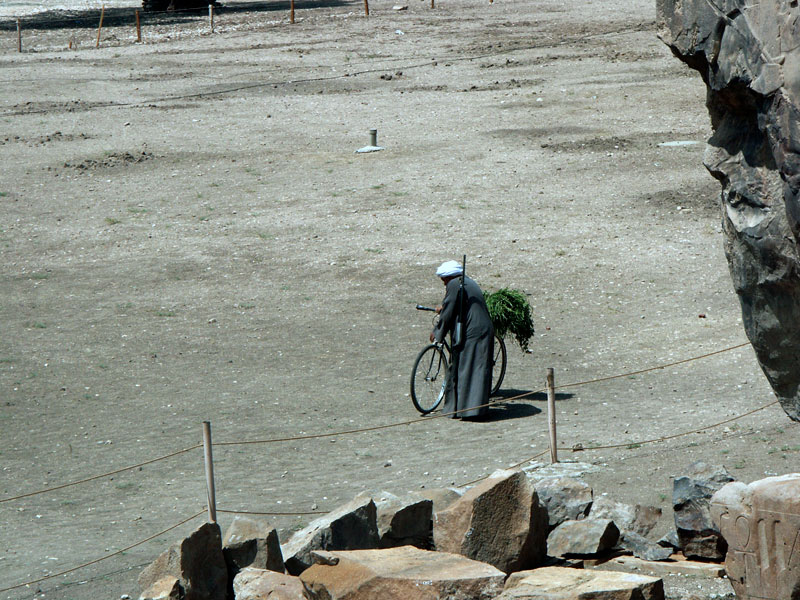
(470,380)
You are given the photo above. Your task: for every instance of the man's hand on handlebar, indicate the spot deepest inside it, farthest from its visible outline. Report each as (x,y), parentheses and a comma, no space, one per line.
(438,309)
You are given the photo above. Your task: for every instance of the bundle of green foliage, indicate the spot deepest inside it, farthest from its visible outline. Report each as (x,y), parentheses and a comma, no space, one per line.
(510,313)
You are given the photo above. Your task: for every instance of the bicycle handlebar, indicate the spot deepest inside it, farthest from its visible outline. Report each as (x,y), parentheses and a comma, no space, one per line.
(420,307)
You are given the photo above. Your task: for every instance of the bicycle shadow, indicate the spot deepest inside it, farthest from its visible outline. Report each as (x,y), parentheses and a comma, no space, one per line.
(535,396)
(514,410)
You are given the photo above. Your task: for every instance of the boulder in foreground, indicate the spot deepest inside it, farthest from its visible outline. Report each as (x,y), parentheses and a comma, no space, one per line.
(196,563)
(352,526)
(500,521)
(405,573)
(263,584)
(562,583)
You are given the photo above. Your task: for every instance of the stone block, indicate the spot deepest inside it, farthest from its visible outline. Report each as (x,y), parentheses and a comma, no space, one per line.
(561,583)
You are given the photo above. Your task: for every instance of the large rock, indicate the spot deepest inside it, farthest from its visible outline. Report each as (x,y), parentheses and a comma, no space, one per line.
(499,521)
(628,517)
(565,498)
(698,537)
(748,54)
(582,538)
(761,524)
(352,526)
(196,563)
(405,573)
(263,584)
(404,521)
(251,543)
(561,583)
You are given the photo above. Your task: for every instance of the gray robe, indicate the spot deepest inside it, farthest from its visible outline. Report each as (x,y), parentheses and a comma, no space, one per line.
(472,366)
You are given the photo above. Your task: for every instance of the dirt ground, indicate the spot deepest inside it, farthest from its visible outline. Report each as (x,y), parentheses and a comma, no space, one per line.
(187,234)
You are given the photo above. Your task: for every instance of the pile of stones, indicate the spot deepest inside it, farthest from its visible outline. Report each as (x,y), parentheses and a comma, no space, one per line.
(505,538)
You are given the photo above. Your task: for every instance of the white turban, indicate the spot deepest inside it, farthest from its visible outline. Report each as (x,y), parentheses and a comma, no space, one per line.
(451,268)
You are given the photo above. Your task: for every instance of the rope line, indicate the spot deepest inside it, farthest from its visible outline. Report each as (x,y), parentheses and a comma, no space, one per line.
(674,435)
(97,560)
(514,466)
(93,477)
(639,372)
(271,514)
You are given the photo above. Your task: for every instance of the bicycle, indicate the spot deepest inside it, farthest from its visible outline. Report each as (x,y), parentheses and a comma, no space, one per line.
(431,368)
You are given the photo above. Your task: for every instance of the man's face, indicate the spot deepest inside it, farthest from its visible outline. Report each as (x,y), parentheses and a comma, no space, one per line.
(446,280)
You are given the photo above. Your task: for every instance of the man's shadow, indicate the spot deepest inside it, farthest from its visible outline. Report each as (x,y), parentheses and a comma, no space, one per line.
(518,405)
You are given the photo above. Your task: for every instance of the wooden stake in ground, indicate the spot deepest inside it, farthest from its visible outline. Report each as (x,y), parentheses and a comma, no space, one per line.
(291,11)
(209,463)
(100,27)
(366,8)
(431,3)
(138,29)
(211,17)
(551,414)
(19,36)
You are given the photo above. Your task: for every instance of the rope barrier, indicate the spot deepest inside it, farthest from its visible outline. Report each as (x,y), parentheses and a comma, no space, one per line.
(408,422)
(102,558)
(272,514)
(514,466)
(93,477)
(674,435)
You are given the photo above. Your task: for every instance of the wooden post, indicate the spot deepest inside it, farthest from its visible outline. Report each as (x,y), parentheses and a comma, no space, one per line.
(19,36)
(551,415)
(211,16)
(366,8)
(100,27)
(291,11)
(138,29)
(431,3)
(212,499)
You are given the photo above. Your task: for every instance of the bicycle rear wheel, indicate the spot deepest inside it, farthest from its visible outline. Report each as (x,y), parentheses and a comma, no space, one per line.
(428,379)
(499,364)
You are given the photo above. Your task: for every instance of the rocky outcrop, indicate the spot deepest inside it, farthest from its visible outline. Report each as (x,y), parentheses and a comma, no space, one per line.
(500,521)
(408,573)
(261,584)
(561,583)
(196,563)
(761,524)
(748,54)
(698,537)
(352,526)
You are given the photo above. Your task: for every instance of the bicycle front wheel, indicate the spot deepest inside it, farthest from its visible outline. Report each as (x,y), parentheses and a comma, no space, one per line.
(429,378)
(499,364)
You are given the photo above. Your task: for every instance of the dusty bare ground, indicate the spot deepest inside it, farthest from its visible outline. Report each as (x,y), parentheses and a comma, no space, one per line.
(187,235)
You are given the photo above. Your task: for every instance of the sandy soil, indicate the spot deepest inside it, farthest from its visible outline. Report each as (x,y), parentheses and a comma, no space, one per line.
(188,235)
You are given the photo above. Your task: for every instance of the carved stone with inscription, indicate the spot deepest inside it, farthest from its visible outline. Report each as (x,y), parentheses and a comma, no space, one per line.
(761,523)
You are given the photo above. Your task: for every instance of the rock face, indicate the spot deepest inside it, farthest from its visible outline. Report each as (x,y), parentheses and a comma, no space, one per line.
(404,521)
(251,543)
(196,563)
(565,498)
(561,583)
(628,517)
(761,523)
(408,573)
(698,537)
(500,521)
(352,526)
(261,584)
(582,538)
(748,54)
